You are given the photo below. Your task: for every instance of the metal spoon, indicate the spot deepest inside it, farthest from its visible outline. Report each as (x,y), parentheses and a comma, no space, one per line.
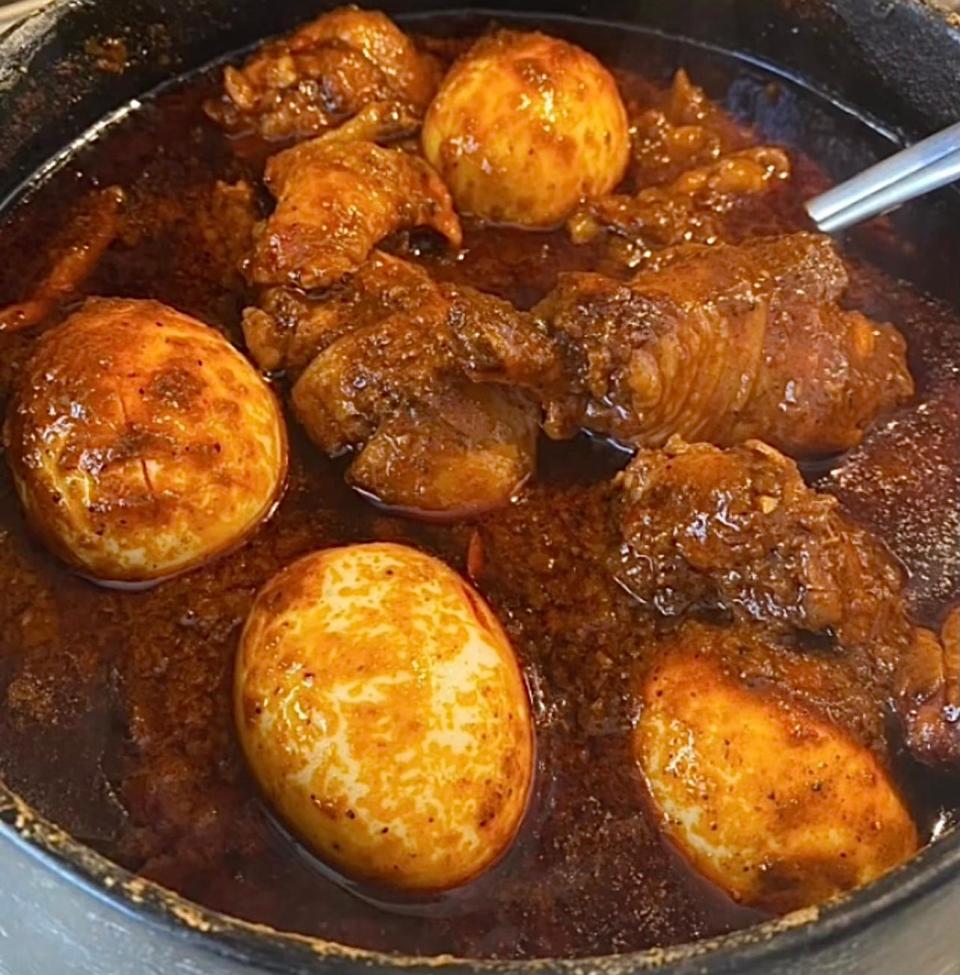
(922,168)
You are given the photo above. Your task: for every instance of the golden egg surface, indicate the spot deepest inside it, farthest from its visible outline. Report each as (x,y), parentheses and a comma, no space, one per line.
(384,715)
(763,797)
(142,443)
(524,127)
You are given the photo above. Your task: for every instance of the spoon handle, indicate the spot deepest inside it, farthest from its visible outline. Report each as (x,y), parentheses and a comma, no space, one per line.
(922,168)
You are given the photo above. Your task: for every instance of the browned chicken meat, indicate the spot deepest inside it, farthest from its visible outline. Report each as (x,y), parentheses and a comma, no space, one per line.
(86,237)
(460,449)
(335,201)
(324,73)
(681,131)
(736,534)
(387,121)
(721,344)
(693,174)
(290,327)
(404,372)
(690,208)
(486,338)
(366,375)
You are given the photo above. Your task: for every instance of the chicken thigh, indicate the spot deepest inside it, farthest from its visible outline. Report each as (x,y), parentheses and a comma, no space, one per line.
(410,376)
(335,202)
(324,73)
(689,209)
(721,344)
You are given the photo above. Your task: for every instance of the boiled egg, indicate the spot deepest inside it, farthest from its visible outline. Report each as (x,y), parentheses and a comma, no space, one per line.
(384,715)
(142,443)
(524,127)
(763,796)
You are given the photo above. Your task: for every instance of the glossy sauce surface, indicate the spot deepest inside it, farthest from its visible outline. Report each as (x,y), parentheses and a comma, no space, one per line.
(116,718)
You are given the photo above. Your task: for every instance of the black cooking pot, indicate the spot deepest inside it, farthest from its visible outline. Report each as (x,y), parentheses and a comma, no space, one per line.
(896,65)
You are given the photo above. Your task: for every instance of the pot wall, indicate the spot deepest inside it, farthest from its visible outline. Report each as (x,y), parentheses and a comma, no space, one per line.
(51,90)
(50,926)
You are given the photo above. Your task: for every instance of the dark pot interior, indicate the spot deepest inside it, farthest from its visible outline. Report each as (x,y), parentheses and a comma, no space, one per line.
(51,93)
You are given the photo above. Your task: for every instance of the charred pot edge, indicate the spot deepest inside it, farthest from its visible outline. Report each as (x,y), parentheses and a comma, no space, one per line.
(279,951)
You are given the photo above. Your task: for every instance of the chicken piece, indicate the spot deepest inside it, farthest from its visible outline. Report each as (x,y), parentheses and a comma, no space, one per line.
(325,72)
(737,534)
(688,209)
(465,449)
(335,201)
(760,790)
(928,695)
(692,171)
(684,130)
(401,369)
(738,173)
(386,121)
(723,343)
(281,96)
(289,327)
(428,442)
(363,377)
(84,241)
(491,341)
(486,338)
(413,75)
(390,339)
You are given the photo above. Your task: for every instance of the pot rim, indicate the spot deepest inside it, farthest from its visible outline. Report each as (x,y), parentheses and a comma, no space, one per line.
(282,951)
(278,951)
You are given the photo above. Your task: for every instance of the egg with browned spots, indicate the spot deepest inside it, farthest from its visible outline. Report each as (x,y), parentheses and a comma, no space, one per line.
(524,127)
(142,443)
(764,796)
(384,715)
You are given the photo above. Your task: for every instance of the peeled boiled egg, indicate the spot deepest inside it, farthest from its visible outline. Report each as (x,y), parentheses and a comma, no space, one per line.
(763,796)
(384,715)
(142,443)
(524,127)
